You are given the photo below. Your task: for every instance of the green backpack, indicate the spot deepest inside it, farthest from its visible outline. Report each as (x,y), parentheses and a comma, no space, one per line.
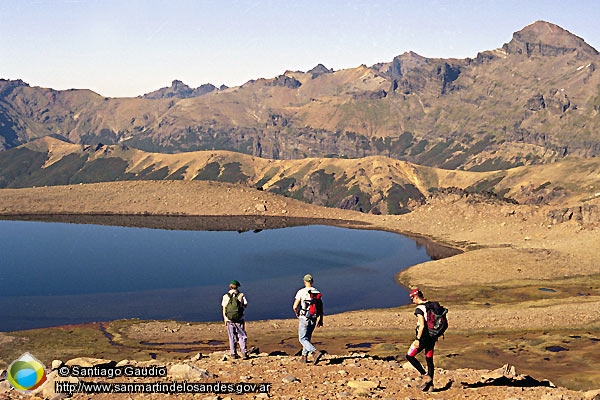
(234,310)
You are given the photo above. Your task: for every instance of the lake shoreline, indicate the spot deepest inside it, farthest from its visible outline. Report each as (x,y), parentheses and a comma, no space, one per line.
(142,300)
(239,223)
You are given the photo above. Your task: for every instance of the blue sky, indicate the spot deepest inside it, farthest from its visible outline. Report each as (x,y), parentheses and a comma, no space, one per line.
(121,48)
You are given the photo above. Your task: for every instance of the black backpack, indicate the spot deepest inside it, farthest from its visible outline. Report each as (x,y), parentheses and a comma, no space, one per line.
(234,310)
(437,322)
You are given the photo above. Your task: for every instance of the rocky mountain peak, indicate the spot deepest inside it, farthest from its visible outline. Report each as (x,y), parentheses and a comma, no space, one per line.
(285,81)
(179,85)
(546,39)
(7,85)
(320,69)
(179,90)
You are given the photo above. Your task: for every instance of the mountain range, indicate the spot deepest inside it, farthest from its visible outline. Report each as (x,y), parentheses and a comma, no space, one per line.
(533,101)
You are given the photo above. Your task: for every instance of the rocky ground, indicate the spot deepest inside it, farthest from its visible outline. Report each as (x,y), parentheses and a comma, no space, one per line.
(499,315)
(273,376)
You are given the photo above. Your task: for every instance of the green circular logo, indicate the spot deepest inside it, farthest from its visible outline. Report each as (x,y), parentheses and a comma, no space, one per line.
(26,373)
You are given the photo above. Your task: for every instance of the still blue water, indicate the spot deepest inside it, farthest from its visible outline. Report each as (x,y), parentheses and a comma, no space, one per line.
(56,273)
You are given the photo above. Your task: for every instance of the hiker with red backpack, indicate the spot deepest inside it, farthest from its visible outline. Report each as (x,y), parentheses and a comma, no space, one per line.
(308,308)
(432,324)
(234,304)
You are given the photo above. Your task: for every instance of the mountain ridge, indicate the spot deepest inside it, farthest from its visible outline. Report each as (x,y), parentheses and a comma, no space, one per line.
(373,184)
(533,100)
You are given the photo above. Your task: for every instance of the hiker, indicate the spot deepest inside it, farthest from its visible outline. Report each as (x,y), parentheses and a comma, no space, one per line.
(234,304)
(308,308)
(423,341)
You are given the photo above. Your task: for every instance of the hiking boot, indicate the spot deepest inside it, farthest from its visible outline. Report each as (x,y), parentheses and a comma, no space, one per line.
(246,356)
(427,385)
(318,356)
(234,356)
(303,359)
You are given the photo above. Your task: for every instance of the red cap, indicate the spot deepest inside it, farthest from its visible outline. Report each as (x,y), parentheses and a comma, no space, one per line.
(415,292)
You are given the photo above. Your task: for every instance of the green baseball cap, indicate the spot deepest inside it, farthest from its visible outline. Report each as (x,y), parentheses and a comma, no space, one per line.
(236,283)
(308,278)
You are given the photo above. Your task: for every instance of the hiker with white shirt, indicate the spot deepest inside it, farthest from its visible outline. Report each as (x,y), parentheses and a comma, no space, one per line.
(308,308)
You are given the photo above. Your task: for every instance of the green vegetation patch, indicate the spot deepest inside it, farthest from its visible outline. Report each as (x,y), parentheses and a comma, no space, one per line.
(179,174)
(484,185)
(324,180)
(8,130)
(151,174)
(145,144)
(15,164)
(350,198)
(64,343)
(210,172)
(398,197)
(303,171)
(542,186)
(103,170)
(323,188)
(495,164)
(105,136)
(284,187)
(232,172)
(419,147)
(266,178)
(59,173)
(380,144)
(516,291)
(196,139)
(437,154)
(143,173)
(399,147)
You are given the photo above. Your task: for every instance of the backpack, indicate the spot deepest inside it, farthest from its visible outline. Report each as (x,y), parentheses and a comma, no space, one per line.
(314,307)
(437,322)
(234,310)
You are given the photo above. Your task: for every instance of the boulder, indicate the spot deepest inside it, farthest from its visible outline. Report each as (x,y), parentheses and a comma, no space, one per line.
(4,387)
(290,379)
(188,372)
(368,385)
(47,390)
(91,362)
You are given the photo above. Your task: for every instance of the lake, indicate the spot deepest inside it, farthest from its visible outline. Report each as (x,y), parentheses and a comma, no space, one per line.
(63,273)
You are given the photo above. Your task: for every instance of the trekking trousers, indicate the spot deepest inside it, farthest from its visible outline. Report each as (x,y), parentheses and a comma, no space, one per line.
(237,333)
(306,327)
(428,346)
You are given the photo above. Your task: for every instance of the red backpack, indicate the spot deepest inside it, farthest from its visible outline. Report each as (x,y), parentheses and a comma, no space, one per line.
(314,307)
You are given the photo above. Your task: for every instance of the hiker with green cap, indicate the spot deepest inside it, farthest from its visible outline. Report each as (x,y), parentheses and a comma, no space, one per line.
(234,304)
(308,307)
